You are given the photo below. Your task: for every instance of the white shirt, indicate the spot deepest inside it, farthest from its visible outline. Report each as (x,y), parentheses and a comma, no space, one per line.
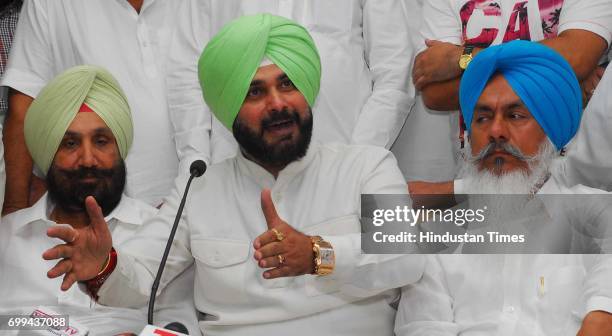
(319,194)
(432,159)
(429,152)
(366,58)
(510,295)
(589,158)
(53,36)
(24,284)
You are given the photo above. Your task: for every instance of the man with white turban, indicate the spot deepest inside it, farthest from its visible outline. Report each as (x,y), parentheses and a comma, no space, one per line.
(522,104)
(274,232)
(79,131)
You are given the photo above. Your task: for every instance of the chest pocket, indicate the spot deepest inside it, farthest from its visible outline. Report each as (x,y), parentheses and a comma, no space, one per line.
(221,269)
(561,294)
(329,16)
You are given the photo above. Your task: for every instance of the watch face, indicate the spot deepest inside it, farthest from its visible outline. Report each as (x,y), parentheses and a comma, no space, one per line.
(327,256)
(464,61)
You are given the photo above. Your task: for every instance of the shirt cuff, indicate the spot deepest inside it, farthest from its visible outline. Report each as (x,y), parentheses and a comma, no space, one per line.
(23,81)
(599,303)
(593,27)
(458,187)
(347,249)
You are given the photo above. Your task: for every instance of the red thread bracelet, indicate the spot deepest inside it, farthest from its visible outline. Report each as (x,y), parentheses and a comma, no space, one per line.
(94,284)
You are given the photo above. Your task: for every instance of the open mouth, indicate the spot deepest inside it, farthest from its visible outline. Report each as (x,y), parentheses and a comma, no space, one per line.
(280,125)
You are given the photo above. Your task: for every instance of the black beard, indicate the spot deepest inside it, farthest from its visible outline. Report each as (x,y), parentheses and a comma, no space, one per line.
(68,191)
(275,155)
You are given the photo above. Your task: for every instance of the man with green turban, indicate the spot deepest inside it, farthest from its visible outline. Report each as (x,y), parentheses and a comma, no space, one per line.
(274,232)
(79,131)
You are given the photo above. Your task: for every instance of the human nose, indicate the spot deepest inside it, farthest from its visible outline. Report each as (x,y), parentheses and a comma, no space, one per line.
(87,156)
(498,130)
(276,100)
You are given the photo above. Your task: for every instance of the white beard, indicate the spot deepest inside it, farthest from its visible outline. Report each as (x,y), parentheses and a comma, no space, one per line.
(517,182)
(489,189)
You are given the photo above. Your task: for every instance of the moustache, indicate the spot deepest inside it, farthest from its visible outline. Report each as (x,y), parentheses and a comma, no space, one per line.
(500,146)
(86,172)
(281,116)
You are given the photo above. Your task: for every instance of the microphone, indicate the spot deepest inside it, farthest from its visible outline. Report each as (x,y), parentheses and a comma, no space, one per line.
(178,326)
(196,169)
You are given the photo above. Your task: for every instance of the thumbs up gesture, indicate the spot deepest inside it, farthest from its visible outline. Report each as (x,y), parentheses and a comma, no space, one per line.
(85,250)
(283,250)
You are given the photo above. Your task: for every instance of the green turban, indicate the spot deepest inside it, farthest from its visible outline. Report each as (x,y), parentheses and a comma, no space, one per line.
(57,104)
(231,59)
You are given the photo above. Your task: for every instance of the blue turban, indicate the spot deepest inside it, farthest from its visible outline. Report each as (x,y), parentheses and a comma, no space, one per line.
(541,77)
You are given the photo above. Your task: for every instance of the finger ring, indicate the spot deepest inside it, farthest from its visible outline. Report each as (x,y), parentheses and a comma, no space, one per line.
(281,259)
(279,235)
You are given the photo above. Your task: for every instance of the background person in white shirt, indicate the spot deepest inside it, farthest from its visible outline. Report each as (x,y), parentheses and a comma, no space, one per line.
(514,137)
(251,222)
(79,131)
(366,52)
(130,38)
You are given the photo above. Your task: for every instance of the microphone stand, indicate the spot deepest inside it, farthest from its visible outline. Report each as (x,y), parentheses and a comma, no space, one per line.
(197,169)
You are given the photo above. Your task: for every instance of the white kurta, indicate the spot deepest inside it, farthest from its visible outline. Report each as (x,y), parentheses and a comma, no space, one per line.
(24,284)
(366,58)
(507,294)
(589,159)
(319,194)
(53,36)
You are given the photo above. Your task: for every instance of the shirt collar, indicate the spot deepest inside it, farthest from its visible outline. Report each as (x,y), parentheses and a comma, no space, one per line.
(126,212)
(145,4)
(264,178)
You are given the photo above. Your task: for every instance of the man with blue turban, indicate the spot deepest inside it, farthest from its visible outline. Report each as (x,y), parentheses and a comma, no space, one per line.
(274,232)
(79,131)
(522,104)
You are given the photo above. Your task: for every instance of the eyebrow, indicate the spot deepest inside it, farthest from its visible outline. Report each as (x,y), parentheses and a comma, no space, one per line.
(99,130)
(258,82)
(512,105)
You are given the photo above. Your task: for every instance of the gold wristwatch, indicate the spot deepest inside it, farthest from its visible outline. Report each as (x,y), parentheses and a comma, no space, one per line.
(466,57)
(324,257)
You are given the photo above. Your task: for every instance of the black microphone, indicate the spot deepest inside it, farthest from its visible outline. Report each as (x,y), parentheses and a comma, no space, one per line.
(178,326)
(196,169)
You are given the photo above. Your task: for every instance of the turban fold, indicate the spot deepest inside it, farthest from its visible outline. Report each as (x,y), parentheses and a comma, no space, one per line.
(541,77)
(231,59)
(50,114)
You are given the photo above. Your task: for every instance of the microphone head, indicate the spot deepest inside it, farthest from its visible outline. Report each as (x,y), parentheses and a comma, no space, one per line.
(178,326)
(197,168)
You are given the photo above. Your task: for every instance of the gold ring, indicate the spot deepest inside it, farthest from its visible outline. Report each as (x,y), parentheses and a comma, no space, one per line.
(279,235)
(281,259)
